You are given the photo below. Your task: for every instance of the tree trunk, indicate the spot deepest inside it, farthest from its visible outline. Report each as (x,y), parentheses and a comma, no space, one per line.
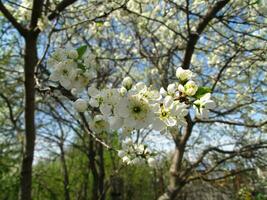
(101,173)
(116,192)
(176,180)
(65,173)
(30,61)
(92,166)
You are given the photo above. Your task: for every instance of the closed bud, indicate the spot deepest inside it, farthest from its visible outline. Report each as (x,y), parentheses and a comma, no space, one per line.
(183,74)
(80,105)
(190,88)
(127,83)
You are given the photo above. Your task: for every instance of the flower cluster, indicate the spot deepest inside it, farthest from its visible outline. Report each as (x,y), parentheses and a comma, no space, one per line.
(134,154)
(132,107)
(188,88)
(70,67)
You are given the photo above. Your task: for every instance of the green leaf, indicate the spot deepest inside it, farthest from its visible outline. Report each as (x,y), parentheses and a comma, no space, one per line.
(202,91)
(99,23)
(81,50)
(82,67)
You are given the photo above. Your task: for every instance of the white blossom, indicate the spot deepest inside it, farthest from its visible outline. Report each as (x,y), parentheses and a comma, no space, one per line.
(183,74)
(203,105)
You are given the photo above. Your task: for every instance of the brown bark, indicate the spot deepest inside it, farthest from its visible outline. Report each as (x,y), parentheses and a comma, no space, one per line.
(31,60)
(30,35)
(194,36)
(64,164)
(177,180)
(65,173)
(101,173)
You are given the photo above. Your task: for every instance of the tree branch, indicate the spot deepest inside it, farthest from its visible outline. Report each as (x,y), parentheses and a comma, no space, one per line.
(22,30)
(232,123)
(36,12)
(60,7)
(194,36)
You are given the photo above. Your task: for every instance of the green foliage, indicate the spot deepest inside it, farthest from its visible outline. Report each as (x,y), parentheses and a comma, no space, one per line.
(81,50)
(202,91)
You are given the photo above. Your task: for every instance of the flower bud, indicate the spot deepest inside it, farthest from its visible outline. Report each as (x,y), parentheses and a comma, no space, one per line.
(126,159)
(183,74)
(80,105)
(74,91)
(127,83)
(72,54)
(190,88)
(123,91)
(121,153)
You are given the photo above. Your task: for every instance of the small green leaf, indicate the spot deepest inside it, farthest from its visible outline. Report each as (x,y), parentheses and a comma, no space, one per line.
(202,91)
(81,50)
(99,23)
(82,67)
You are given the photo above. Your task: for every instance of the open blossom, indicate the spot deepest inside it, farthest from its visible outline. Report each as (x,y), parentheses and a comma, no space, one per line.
(183,74)
(169,114)
(63,73)
(165,115)
(68,70)
(134,154)
(171,88)
(99,124)
(203,105)
(135,110)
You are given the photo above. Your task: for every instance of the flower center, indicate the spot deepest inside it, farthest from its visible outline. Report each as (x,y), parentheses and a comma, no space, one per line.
(65,72)
(137,109)
(164,114)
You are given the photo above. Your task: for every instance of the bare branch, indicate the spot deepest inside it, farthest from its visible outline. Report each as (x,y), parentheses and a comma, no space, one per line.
(194,36)
(22,30)
(60,7)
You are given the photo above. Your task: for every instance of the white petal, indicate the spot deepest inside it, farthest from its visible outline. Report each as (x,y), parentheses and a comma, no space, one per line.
(122,109)
(171,88)
(205,97)
(129,122)
(93,91)
(163,92)
(65,83)
(170,121)
(158,125)
(105,109)
(181,88)
(80,105)
(140,86)
(93,102)
(168,101)
(54,76)
(115,123)
(121,153)
(152,162)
